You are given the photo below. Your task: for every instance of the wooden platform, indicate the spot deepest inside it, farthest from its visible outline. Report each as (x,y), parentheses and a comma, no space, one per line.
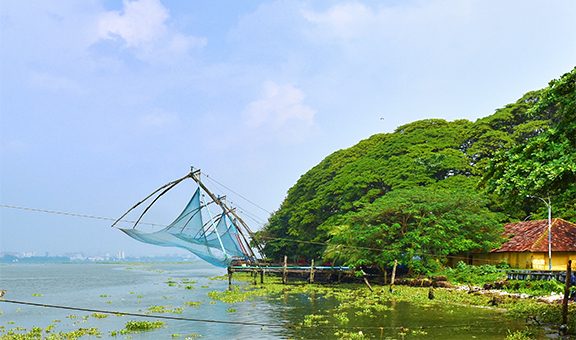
(309,273)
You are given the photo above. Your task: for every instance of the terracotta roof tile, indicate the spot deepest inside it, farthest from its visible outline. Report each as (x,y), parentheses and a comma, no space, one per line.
(532,236)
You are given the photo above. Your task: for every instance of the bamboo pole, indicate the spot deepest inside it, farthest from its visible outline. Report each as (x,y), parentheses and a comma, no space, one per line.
(168,186)
(566,296)
(195,175)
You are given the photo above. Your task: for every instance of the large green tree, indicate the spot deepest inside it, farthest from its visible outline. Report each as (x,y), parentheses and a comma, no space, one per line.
(417,154)
(344,195)
(544,165)
(417,226)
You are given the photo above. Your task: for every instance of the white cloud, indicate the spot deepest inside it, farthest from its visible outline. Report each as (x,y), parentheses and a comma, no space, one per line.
(143,26)
(359,24)
(280,110)
(344,21)
(279,105)
(142,22)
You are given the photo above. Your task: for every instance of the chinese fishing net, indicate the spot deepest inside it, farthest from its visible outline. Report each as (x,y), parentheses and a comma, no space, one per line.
(215,239)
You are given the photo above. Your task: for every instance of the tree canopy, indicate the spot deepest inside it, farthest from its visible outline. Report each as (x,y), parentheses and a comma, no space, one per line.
(545,165)
(426,223)
(413,194)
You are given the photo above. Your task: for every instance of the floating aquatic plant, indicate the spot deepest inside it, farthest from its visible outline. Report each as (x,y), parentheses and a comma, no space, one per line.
(138,326)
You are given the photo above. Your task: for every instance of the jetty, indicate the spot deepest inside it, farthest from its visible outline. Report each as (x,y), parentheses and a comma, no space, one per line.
(310,273)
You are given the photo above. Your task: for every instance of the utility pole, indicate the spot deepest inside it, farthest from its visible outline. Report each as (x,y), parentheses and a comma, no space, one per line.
(549,206)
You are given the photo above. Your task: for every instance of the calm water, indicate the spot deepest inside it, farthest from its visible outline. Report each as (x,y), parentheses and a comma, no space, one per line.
(134,288)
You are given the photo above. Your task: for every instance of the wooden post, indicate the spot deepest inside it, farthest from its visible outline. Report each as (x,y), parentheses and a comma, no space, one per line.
(393,274)
(255,275)
(431,293)
(312,272)
(385,276)
(229,277)
(262,275)
(566,296)
(285,270)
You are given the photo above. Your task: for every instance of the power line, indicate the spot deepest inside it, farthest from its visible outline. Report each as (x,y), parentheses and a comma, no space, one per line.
(166,317)
(239,323)
(271,239)
(65,213)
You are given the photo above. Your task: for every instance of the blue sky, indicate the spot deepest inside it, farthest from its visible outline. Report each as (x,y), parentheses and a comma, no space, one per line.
(102,101)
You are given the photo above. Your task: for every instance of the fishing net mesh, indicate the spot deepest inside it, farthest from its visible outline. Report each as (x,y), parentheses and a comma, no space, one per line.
(213,239)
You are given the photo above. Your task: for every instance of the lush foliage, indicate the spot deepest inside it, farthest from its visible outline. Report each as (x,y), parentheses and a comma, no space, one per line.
(475,275)
(413,195)
(417,226)
(545,165)
(535,288)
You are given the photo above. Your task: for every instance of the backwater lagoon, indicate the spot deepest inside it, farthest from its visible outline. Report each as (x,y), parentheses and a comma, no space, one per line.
(198,303)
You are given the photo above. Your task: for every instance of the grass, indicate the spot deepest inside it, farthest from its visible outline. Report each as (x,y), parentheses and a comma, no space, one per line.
(474,275)
(480,275)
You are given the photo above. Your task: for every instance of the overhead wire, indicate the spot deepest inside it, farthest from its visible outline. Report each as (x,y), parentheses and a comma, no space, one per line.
(65,213)
(262,237)
(228,322)
(167,317)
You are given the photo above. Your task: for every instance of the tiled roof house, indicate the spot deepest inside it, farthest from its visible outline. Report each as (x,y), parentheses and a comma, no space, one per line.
(527,245)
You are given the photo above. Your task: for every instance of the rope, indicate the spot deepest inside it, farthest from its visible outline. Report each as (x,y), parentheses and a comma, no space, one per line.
(240,195)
